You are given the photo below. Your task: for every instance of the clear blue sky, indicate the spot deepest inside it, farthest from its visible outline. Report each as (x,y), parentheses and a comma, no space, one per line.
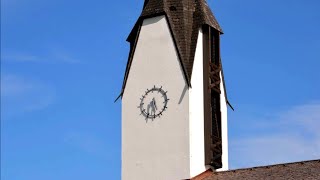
(62,64)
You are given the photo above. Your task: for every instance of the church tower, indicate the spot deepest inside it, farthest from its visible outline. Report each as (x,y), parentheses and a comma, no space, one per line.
(174,103)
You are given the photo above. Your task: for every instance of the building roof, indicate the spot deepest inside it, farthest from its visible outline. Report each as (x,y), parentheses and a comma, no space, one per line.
(298,170)
(184,17)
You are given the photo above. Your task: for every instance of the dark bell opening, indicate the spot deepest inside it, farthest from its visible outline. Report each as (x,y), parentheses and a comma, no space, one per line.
(173,8)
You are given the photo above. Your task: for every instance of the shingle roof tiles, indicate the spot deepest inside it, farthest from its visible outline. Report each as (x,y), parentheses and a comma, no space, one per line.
(291,171)
(185,17)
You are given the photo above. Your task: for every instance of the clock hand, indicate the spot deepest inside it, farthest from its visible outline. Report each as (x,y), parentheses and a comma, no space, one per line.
(154,103)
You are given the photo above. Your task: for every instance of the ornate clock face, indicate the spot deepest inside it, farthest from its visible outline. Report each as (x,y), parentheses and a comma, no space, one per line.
(153,103)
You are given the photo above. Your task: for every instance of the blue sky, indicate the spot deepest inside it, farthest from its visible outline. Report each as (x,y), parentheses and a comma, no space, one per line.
(62,64)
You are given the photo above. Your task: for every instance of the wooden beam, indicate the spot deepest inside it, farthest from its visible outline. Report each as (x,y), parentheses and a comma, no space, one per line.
(213,85)
(214,66)
(214,77)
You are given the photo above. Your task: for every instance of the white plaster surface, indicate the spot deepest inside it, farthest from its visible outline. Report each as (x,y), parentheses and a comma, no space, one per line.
(196,113)
(156,149)
(224,127)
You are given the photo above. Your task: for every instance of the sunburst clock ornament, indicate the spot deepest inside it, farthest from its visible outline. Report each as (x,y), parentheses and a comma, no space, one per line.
(153,103)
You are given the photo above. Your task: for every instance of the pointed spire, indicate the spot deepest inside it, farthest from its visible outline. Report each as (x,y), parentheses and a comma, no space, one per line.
(185,18)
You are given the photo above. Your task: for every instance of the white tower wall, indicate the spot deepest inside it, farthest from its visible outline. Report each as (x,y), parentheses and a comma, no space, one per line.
(224,128)
(196,113)
(156,149)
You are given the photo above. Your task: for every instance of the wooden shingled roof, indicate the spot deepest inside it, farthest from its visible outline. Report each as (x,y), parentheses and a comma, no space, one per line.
(298,170)
(184,17)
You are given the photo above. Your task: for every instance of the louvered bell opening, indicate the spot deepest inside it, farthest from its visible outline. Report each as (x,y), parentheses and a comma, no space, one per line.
(213,141)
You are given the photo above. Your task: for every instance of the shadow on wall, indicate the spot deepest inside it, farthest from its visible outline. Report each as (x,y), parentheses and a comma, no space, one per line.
(154,20)
(183,93)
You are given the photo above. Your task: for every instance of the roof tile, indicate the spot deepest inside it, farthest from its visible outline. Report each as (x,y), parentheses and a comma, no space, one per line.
(185,18)
(299,170)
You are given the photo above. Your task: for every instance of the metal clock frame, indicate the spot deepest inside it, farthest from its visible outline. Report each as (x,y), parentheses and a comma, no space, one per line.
(164,107)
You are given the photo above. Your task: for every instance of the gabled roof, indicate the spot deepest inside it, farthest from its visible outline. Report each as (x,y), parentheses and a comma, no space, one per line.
(297,170)
(184,17)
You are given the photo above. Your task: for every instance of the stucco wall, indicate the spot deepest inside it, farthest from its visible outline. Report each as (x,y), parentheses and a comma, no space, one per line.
(197,113)
(156,149)
(224,127)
